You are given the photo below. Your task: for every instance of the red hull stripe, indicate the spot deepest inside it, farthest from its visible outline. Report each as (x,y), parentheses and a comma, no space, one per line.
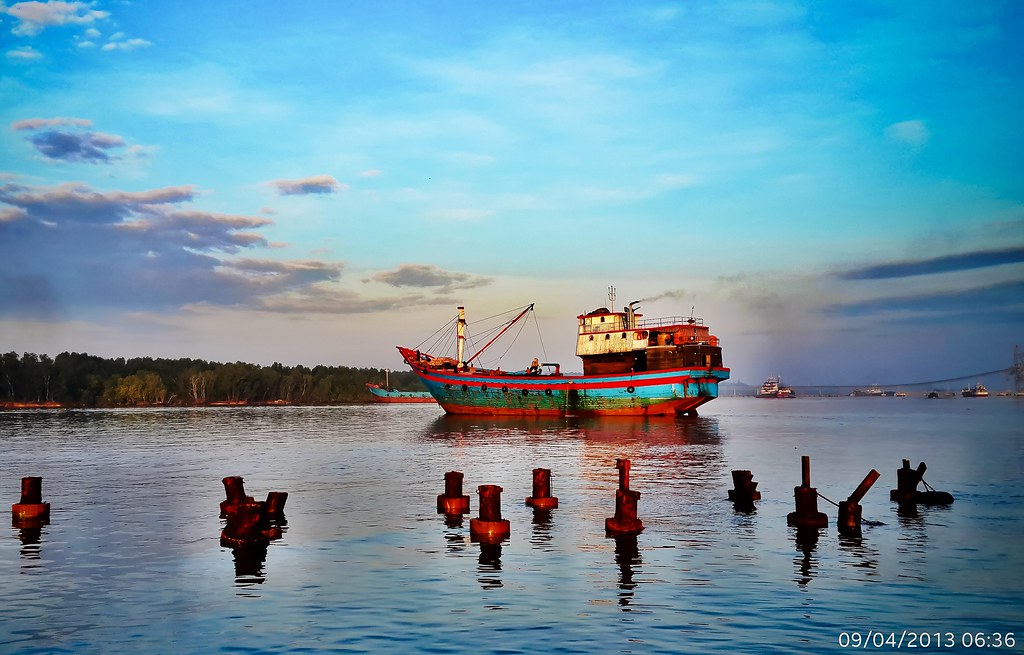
(679,376)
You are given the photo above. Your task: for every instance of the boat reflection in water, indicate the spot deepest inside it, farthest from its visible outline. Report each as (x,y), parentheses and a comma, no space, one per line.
(651,430)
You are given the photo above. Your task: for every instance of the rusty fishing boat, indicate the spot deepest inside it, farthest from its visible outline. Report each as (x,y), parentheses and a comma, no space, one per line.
(388,394)
(631,367)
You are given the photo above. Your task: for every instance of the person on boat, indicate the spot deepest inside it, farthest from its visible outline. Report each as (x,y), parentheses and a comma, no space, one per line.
(534,367)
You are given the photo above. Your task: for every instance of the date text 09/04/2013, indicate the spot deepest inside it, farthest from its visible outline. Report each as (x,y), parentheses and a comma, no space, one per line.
(923,639)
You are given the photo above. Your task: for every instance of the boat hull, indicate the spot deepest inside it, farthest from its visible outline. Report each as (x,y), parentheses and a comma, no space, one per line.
(657,393)
(381,395)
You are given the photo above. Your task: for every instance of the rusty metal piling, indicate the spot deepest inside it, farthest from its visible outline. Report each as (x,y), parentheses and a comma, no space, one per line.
(744,491)
(489,527)
(625,521)
(542,498)
(806,496)
(31,509)
(850,509)
(452,501)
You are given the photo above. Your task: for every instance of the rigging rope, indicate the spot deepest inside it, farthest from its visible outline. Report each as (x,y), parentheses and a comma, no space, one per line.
(543,349)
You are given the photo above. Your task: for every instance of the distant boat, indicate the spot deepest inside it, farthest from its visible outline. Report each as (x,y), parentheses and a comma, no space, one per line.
(874,391)
(900,394)
(773,388)
(385,394)
(631,367)
(978,391)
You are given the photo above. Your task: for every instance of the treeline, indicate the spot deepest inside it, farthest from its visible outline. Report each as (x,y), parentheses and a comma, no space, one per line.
(81,380)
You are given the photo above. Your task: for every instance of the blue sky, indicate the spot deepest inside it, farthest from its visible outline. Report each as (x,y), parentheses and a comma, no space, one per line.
(836,188)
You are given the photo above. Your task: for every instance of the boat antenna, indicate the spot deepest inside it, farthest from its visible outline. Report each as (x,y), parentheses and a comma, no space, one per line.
(690,320)
(611,297)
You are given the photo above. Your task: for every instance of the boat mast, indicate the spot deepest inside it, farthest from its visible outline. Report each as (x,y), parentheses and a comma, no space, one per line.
(460,333)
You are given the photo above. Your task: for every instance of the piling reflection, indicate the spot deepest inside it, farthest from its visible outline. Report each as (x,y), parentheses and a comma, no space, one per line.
(249,562)
(30,533)
(452,520)
(806,564)
(455,539)
(490,566)
(912,548)
(540,538)
(627,556)
(864,556)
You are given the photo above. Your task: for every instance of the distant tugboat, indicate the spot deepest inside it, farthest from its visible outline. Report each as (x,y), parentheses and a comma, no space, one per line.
(631,367)
(773,388)
(978,391)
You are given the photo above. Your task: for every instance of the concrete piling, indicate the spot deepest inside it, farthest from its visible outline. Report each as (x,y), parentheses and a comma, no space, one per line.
(806,496)
(625,521)
(542,498)
(489,527)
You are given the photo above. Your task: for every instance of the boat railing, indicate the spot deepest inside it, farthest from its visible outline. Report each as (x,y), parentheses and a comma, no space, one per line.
(669,320)
(643,324)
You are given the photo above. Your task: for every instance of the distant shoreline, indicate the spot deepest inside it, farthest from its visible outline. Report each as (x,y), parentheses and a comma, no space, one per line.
(221,403)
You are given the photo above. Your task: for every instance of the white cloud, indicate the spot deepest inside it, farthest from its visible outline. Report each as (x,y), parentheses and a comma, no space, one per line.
(33,17)
(126,46)
(913,133)
(24,54)
(676,180)
(462,214)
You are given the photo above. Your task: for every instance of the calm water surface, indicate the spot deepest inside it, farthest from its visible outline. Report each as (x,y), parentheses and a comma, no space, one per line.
(131,560)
